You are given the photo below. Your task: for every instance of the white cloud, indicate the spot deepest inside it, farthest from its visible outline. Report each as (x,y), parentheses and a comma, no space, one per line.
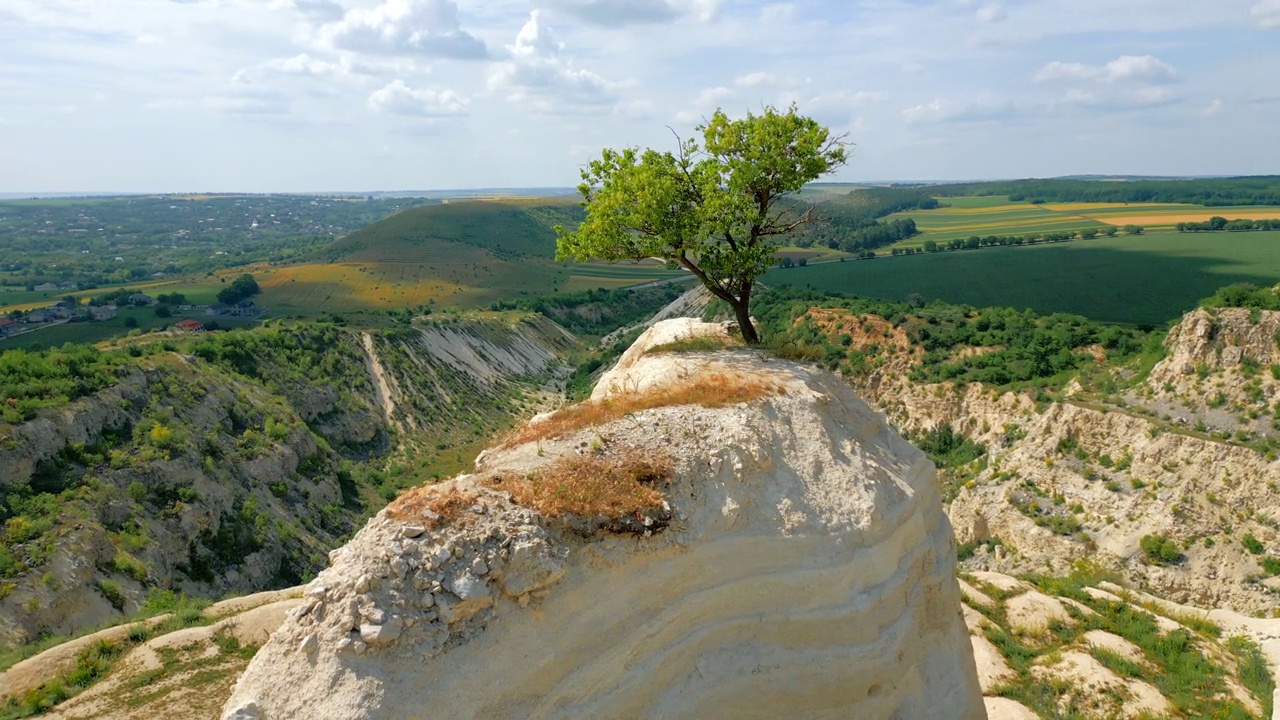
(537,73)
(1112,98)
(1126,68)
(992,14)
(304,64)
(400,99)
(712,96)
(1266,13)
(756,79)
(621,13)
(1213,108)
(404,27)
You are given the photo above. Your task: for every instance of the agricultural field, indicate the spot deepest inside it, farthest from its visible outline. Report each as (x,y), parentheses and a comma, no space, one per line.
(997,215)
(1142,279)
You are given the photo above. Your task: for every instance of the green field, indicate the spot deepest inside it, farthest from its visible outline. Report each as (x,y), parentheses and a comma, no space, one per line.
(989,216)
(1150,278)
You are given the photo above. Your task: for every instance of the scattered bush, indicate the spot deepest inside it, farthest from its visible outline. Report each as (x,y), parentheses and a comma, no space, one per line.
(1160,550)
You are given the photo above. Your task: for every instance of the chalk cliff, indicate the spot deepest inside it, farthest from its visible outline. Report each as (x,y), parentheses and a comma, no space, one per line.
(715,534)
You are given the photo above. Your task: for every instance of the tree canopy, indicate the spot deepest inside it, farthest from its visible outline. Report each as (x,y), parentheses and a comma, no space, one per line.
(241,288)
(711,207)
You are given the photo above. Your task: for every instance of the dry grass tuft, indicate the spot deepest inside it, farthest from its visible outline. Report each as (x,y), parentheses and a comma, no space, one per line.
(432,504)
(712,390)
(623,488)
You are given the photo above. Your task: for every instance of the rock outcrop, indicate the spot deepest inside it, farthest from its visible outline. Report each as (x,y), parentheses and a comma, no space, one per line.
(797,564)
(1182,455)
(1102,651)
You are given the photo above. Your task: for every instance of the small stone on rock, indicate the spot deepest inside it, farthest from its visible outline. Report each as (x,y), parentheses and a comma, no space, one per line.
(248,711)
(309,644)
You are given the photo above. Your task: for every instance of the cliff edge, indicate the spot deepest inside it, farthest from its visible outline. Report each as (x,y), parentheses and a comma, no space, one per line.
(714,534)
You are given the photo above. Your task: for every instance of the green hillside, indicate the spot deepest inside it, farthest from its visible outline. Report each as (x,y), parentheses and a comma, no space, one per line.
(465,254)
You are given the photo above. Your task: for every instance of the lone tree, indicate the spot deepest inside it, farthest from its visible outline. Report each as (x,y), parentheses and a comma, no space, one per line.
(715,209)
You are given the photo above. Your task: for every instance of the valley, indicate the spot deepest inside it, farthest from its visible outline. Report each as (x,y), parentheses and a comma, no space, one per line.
(1101,449)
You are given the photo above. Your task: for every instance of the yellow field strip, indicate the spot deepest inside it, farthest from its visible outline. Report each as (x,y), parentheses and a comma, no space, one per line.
(1153,207)
(1175,218)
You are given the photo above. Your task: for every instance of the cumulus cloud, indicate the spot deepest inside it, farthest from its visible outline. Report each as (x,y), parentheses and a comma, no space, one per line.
(1112,98)
(1266,13)
(400,99)
(939,112)
(404,27)
(1126,68)
(756,79)
(620,13)
(537,73)
(304,64)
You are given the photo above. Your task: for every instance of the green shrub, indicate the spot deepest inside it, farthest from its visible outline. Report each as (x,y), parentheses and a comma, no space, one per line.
(1252,544)
(113,593)
(1160,550)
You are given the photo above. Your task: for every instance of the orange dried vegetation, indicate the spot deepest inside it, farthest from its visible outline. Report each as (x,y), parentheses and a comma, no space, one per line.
(431,503)
(591,485)
(712,390)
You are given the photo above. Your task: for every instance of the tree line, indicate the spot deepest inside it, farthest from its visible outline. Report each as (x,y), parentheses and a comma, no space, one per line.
(1256,190)
(1217,223)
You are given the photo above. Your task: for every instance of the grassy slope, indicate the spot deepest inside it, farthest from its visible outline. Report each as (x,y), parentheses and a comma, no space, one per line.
(1149,278)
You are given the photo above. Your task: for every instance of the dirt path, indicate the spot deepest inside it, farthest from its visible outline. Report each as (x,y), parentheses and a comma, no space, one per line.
(385,399)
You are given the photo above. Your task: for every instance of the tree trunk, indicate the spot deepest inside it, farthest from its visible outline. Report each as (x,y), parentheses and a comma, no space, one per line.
(743,313)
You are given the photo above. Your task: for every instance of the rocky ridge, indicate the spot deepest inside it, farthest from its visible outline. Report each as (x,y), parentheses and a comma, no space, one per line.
(1089,475)
(218,469)
(799,562)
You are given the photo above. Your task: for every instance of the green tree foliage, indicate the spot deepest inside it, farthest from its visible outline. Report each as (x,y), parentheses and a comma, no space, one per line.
(715,208)
(32,380)
(1024,347)
(241,288)
(1244,295)
(948,448)
(1218,223)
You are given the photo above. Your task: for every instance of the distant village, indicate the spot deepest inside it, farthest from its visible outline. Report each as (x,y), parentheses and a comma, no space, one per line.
(68,310)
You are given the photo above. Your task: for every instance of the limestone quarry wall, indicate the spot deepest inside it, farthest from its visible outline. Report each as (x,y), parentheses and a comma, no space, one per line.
(802,567)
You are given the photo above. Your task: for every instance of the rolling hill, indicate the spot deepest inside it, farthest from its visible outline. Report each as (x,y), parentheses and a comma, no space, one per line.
(466,254)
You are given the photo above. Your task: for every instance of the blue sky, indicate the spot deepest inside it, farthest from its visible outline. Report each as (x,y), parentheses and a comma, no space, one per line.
(316,95)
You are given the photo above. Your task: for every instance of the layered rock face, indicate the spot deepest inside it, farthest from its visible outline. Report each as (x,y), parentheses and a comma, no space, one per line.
(799,565)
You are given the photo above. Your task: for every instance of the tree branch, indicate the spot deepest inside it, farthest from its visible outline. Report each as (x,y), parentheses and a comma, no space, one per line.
(712,285)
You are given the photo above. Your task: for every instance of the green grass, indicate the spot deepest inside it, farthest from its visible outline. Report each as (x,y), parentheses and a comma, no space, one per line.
(1150,278)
